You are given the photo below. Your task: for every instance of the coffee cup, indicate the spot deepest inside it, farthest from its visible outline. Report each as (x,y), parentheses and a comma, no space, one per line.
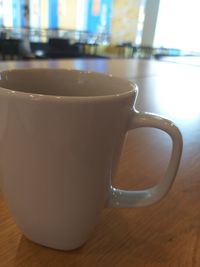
(61,135)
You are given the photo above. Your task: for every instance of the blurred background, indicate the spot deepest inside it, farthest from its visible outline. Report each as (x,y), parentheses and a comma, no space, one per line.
(99,28)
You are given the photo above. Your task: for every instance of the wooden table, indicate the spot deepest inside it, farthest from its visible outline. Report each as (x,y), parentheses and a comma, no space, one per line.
(165,234)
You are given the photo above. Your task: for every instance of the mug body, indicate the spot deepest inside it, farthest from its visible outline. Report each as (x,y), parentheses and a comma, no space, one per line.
(61,133)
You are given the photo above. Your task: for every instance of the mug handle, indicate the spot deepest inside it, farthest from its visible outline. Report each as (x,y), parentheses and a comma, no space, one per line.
(124,198)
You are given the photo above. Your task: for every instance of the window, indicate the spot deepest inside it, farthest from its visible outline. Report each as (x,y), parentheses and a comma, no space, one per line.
(178,25)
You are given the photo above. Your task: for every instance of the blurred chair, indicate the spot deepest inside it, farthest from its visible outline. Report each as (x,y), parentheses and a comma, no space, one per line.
(61,48)
(39,49)
(10,48)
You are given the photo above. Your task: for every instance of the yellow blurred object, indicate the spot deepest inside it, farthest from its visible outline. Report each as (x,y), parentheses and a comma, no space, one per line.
(125,13)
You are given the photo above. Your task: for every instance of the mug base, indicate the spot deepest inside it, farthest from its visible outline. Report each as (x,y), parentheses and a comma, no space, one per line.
(60,247)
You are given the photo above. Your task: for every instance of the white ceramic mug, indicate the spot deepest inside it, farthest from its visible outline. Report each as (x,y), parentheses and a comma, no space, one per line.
(61,134)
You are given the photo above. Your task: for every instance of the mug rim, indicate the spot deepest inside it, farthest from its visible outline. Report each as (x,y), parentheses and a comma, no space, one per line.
(132,90)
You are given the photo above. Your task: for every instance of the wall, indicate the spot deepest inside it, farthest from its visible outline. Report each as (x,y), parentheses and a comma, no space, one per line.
(44,5)
(99,15)
(124,20)
(67,14)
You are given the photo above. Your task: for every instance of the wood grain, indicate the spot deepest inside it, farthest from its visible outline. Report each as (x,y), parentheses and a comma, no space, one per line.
(166,234)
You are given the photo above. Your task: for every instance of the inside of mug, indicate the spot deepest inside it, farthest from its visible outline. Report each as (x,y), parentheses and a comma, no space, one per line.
(61,82)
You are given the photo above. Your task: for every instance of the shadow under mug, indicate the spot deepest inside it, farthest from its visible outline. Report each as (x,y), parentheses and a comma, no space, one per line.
(61,136)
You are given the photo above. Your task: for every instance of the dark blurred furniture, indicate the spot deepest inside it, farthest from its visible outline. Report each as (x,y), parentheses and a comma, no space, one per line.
(61,48)
(9,48)
(39,49)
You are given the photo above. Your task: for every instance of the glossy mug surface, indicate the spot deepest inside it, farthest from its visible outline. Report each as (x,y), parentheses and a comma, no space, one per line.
(61,134)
